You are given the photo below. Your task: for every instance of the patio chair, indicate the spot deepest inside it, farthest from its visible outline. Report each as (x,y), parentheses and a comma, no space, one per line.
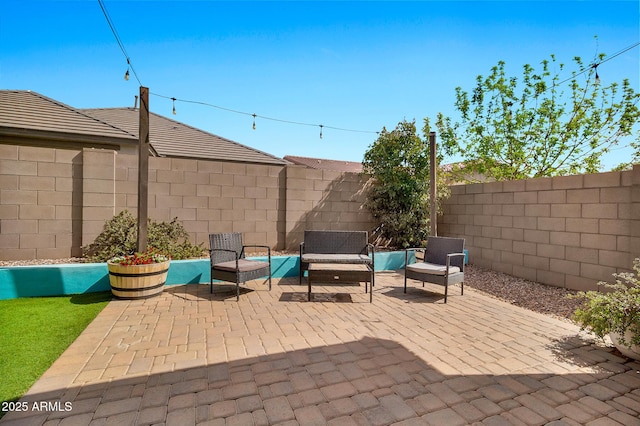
(443,263)
(228,263)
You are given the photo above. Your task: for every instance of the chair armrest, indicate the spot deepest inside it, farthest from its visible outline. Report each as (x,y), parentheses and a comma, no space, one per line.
(416,248)
(372,249)
(450,255)
(301,248)
(410,249)
(258,246)
(455,254)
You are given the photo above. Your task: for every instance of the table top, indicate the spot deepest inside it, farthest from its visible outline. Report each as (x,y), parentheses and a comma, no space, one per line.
(338,267)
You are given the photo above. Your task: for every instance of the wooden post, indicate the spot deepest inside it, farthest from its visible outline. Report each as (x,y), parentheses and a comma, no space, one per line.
(433,206)
(143,169)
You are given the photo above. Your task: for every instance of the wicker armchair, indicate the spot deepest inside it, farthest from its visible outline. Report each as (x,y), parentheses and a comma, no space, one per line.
(228,263)
(443,263)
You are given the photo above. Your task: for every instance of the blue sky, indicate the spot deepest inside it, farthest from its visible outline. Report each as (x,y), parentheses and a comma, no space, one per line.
(354,65)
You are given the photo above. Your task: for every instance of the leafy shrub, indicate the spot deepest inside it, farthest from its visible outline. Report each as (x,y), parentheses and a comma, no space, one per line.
(399,196)
(616,310)
(120,233)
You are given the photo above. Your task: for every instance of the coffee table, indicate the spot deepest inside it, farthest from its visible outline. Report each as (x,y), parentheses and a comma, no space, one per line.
(341,272)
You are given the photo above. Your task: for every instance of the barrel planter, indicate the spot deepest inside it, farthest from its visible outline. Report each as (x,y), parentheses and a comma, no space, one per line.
(137,281)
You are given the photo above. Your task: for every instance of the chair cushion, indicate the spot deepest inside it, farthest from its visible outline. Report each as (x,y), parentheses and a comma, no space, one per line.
(335,258)
(244,265)
(432,268)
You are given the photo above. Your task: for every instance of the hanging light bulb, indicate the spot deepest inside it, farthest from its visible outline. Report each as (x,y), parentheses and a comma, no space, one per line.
(254,121)
(174,105)
(126,74)
(595,67)
(321,126)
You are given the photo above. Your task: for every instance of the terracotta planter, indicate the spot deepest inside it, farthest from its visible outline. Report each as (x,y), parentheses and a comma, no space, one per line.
(631,352)
(137,281)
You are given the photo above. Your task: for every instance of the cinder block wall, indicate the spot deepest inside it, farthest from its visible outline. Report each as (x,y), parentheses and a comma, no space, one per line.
(569,231)
(209,196)
(54,201)
(324,199)
(40,202)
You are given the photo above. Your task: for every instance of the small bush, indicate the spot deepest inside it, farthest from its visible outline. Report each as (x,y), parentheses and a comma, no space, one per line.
(616,310)
(119,238)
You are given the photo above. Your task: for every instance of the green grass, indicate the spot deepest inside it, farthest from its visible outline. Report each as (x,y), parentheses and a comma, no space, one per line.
(35,331)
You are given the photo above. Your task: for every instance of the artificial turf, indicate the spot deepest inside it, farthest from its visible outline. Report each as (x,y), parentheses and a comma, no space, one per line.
(35,331)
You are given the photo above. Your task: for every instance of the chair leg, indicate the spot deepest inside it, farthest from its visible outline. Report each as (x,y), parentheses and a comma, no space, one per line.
(405,283)
(446,288)
(461,288)
(269,282)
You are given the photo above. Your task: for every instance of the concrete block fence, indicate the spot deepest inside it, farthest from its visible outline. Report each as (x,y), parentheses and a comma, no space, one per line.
(569,231)
(54,201)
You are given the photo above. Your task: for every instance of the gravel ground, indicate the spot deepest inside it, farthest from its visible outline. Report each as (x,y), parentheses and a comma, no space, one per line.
(537,297)
(534,296)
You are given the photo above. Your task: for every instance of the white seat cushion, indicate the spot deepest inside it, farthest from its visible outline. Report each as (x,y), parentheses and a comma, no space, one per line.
(432,268)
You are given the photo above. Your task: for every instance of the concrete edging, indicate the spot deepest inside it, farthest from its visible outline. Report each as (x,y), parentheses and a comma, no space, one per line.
(64,279)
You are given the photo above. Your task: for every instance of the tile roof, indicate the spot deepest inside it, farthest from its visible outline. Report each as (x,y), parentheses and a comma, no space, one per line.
(24,113)
(171,138)
(324,164)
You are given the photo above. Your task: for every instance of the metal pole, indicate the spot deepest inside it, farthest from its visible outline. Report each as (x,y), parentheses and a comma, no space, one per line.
(433,206)
(143,169)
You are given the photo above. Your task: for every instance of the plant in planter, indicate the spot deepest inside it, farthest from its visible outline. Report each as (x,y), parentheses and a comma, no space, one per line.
(138,275)
(614,312)
(119,238)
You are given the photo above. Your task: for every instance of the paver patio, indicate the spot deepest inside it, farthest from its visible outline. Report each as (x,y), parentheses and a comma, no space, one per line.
(187,357)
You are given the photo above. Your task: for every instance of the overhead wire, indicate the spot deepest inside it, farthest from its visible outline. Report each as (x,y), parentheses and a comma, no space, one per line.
(264,117)
(174,99)
(300,123)
(595,65)
(120,44)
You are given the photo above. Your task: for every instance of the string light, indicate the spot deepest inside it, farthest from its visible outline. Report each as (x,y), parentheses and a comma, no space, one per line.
(255,116)
(117,37)
(126,74)
(594,66)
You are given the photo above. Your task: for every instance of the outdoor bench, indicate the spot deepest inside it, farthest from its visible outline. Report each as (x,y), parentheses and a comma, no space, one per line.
(338,255)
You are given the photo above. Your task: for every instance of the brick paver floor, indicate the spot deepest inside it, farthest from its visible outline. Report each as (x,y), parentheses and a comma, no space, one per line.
(187,357)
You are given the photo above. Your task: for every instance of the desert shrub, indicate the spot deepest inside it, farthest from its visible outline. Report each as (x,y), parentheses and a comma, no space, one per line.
(120,233)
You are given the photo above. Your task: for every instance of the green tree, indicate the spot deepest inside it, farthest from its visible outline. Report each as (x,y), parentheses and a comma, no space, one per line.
(514,128)
(635,157)
(398,196)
